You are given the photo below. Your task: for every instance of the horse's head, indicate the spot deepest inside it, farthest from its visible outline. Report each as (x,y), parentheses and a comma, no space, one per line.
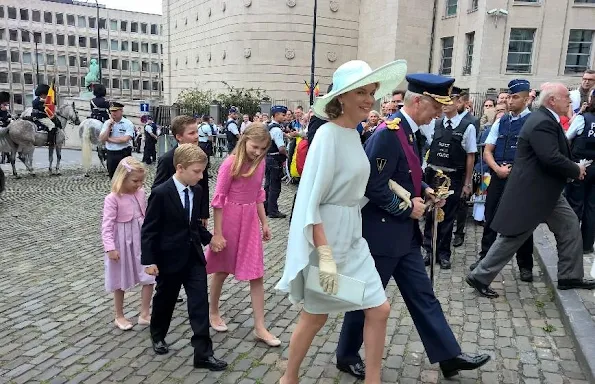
(68,111)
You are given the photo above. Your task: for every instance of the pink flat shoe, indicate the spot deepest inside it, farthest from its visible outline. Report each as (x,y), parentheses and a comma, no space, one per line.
(273,342)
(123,327)
(221,327)
(143,321)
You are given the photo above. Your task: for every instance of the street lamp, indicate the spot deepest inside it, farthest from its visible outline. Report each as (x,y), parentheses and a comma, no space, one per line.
(32,34)
(313,64)
(98,40)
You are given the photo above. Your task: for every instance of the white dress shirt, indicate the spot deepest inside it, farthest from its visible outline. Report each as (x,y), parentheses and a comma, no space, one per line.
(469,142)
(181,187)
(495,132)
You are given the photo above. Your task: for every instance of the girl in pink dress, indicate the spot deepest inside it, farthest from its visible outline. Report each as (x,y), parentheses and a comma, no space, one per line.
(238,207)
(123,215)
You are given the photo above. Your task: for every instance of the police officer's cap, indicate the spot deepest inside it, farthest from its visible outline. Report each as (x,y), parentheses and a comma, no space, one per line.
(435,86)
(234,110)
(4,97)
(518,85)
(115,106)
(42,89)
(99,90)
(206,117)
(278,109)
(456,92)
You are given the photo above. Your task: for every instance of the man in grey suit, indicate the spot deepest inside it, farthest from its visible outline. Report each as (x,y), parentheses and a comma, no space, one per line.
(533,195)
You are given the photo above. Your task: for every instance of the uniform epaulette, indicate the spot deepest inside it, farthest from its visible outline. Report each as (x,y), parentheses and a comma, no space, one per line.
(393,124)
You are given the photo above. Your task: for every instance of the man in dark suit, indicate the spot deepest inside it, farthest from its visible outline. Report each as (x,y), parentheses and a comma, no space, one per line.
(171,242)
(533,195)
(391,228)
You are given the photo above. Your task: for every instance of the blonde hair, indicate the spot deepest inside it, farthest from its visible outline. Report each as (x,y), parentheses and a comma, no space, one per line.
(257,132)
(186,154)
(126,166)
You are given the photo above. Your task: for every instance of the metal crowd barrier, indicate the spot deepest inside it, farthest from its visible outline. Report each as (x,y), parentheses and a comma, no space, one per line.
(167,142)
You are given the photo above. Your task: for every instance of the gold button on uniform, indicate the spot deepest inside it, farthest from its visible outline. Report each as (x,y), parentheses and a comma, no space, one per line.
(383,220)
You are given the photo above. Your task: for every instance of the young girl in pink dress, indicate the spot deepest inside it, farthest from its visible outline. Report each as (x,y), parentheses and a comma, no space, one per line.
(238,207)
(123,215)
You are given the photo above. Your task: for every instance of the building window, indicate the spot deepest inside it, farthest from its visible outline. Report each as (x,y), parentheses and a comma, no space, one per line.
(115,45)
(93,42)
(153,29)
(145,66)
(144,47)
(126,84)
(92,22)
(124,26)
(14,57)
(82,41)
(25,36)
(61,62)
(145,85)
(47,17)
(451,7)
(446,60)
(103,43)
(16,77)
(135,66)
(116,83)
(134,46)
(40,58)
(60,18)
(469,42)
(50,58)
(12,13)
(72,61)
(49,38)
(584,1)
(105,82)
(124,46)
(36,16)
(135,85)
(155,67)
(62,80)
(102,23)
(104,63)
(24,14)
(70,20)
(17,98)
(125,65)
(3,55)
(27,58)
(3,77)
(60,39)
(115,64)
(113,25)
(37,37)
(154,48)
(71,41)
(83,62)
(2,33)
(74,81)
(82,21)
(520,50)
(474,5)
(579,51)
(28,78)
(1,12)
(155,86)
(13,34)
(143,28)
(134,27)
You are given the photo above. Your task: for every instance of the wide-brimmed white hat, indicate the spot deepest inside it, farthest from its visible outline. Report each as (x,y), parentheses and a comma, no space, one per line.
(356,73)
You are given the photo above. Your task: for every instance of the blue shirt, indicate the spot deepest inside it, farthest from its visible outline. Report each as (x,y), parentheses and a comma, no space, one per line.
(123,127)
(495,132)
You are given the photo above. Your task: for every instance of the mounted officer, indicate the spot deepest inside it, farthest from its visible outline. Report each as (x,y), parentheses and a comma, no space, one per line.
(276,155)
(44,117)
(391,228)
(99,105)
(499,155)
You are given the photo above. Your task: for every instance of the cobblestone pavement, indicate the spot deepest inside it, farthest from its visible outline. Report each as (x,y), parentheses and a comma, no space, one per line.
(56,321)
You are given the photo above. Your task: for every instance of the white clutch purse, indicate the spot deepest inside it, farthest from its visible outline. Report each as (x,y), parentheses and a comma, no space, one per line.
(350,290)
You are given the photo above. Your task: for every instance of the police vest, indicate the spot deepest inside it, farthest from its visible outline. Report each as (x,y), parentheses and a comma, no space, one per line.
(150,139)
(274,149)
(447,147)
(232,139)
(508,136)
(583,146)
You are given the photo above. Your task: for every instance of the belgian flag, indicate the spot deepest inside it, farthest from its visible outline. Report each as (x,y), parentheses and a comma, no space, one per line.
(50,102)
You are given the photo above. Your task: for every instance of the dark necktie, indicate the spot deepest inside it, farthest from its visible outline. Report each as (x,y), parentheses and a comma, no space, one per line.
(187,204)
(448,124)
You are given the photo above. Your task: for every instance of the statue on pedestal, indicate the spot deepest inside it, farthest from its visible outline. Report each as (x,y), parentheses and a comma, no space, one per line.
(92,76)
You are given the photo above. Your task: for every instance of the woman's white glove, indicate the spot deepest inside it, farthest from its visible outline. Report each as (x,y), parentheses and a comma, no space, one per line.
(329,280)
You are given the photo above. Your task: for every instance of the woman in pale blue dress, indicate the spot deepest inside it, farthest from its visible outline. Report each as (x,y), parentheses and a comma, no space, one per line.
(326,228)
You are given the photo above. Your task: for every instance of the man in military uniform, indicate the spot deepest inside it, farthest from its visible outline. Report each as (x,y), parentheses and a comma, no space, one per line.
(391,228)
(453,149)
(499,155)
(99,105)
(117,133)
(276,155)
(40,113)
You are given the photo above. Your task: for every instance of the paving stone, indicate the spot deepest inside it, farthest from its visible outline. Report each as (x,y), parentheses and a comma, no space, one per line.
(57,319)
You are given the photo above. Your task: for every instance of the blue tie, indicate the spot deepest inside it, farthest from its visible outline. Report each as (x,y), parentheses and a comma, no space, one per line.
(187,204)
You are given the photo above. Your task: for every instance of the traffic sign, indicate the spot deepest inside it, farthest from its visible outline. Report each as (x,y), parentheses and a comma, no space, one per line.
(144,107)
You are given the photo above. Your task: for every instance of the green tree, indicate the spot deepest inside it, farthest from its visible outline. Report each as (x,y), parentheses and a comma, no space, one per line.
(247,100)
(194,100)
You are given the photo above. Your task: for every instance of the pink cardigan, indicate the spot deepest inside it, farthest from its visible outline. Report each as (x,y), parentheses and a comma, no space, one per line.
(115,210)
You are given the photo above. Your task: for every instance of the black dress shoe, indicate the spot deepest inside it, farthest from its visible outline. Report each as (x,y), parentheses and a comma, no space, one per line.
(474,265)
(463,362)
(357,370)
(458,240)
(576,284)
(211,363)
(482,289)
(445,264)
(160,347)
(526,275)
(587,251)
(277,215)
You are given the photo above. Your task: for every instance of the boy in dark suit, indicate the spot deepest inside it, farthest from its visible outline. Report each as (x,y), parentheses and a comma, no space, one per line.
(171,242)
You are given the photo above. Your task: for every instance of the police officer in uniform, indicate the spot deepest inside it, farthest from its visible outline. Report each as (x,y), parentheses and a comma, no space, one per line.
(206,140)
(581,193)
(276,155)
(150,133)
(99,105)
(231,129)
(39,112)
(453,149)
(117,133)
(391,228)
(499,154)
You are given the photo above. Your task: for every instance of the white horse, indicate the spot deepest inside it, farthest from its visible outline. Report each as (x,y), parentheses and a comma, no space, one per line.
(89,131)
(21,137)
